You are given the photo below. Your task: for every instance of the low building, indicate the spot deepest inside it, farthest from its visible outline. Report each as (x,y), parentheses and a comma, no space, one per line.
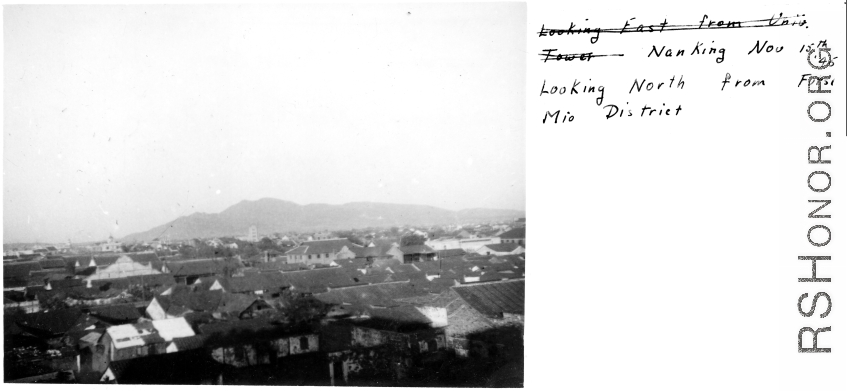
(111,246)
(123,267)
(188,272)
(321,251)
(130,341)
(516,235)
(484,317)
(466,244)
(415,253)
(257,341)
(501,249)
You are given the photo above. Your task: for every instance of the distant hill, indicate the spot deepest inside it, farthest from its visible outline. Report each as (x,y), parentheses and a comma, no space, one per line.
(273,215)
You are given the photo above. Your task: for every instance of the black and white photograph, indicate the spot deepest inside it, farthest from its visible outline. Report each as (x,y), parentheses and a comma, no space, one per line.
(336,194)
(274,194)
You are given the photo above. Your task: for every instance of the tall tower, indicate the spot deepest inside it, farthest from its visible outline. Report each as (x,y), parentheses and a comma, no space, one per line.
(253,234)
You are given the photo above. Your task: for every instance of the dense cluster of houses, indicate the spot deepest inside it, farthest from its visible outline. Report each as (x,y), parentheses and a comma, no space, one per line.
(340,309)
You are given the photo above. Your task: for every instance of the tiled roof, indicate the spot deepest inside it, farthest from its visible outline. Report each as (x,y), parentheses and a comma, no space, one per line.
(515,233)
(126,282)
(494,299)
(273,265)
(515,259)
(329,246)
(227,333)
(66,284)
(374,294)
(257,282)
(417,249)
(236,304)
(502,247)
(201,267)
(375,277)
(366,252)
(52,322)
(404,268)
(384,263)
(116,313)
(103,260)
(91,338)
(455,252)
(352,264)
(205,283)
(20,269)
(318,280)
(206,301)
(53,263)
(428,267)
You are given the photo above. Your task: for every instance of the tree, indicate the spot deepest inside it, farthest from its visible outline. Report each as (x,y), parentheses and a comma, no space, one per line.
(412,240)
(301,309)
(248,251)
(267,244)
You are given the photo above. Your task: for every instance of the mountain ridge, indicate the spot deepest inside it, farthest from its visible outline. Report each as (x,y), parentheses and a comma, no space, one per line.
(275,215)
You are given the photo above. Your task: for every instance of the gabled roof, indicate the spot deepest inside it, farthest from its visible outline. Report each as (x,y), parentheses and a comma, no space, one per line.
(206,283)
(515,233)
(103,260)
(495,298)
(236,304)
(91,338)
(328,246)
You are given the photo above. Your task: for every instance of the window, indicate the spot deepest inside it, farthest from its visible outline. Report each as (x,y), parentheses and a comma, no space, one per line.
(304,343)
(310,257)
(319,256)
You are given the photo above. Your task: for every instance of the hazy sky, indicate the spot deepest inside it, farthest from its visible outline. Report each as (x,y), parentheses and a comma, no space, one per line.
(120,118)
